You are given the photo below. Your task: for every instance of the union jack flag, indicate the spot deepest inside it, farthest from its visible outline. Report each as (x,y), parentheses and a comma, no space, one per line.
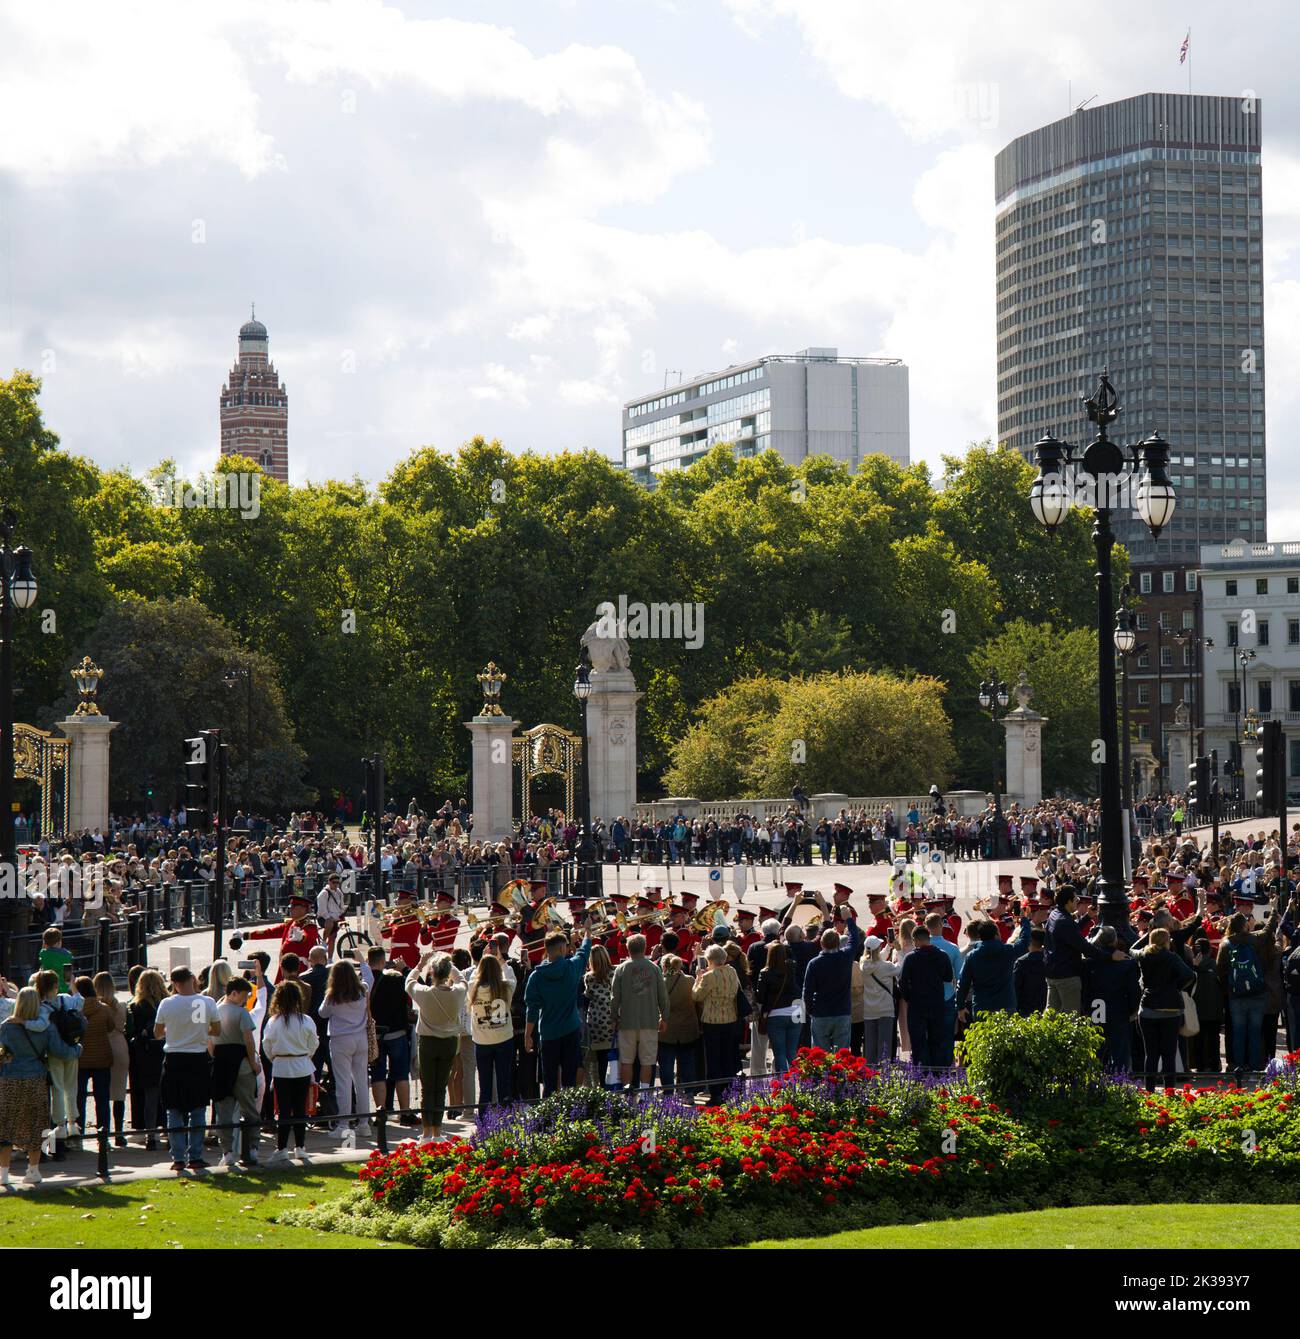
(1182,50)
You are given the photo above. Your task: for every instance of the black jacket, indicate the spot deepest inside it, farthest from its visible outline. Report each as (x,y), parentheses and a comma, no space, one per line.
(1164,976)
(1029,976)
(776,990)
(1066,948)
(925,972)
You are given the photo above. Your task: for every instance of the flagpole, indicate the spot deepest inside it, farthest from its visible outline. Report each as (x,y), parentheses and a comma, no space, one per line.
(1189,62)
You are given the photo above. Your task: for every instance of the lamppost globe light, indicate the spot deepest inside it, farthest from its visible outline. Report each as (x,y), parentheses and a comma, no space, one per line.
(1156,498)
(1125,639)
(22,585)
(984,699)
(1049,498)
(582,682)
(1004,697)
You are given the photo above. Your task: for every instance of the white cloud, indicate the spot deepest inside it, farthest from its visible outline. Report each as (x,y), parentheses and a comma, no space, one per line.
(531,328)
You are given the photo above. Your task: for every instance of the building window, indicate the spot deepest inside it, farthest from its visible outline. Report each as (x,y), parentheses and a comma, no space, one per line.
(1232,635)
(1261,585)
(1229,587)
(1265,695)
(1262,639)
(1144,582)
(1293,631)
(1234,697)
(1144,694)
(1167,582)
(1189,618)
(1293,695)
(1293,585)
(1166,694)
(1144,660)
(1191,581)
(1167,657)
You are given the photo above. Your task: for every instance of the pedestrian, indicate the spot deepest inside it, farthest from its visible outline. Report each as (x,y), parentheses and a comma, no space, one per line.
(1113,997)
(95,1064)
(551,1010)
(639,1000)
(1065,952)
(1240,966)
(346,1006)
(27,1040)
(119,1073)
(597,1008)
(1203,1049)
(827,987)
(715,990)
(1164,977)
(235,1065)
(878,977)
(438,998)
(777,1006)
(678,1041)
(290,1041)
(490,996)
(925,970)
(146,1054)
(1029,976)
(183,1022)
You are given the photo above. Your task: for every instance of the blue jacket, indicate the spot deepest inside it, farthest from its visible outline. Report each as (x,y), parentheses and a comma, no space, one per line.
(921,982)
(828,978)
(29,1044)
(551,994)
(1066,948)
(987,983)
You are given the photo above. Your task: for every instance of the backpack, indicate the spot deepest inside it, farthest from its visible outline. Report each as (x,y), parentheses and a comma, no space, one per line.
(69,1024)
(1244,974)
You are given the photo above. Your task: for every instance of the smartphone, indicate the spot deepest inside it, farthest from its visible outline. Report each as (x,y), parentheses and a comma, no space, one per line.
(247,966)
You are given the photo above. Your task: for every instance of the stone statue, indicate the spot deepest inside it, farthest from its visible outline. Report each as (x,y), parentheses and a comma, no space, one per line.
(1023,692)
(604,647)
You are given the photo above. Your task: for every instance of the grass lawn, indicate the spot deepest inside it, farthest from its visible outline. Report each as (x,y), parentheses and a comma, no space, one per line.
(1163,1225)
(226,1210)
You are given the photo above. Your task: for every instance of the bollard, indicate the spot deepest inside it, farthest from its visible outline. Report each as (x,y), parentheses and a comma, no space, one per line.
(102,1140)
(150,909)
(381,1130)
(263,887)
(166,907)
(187,905)
(104,944)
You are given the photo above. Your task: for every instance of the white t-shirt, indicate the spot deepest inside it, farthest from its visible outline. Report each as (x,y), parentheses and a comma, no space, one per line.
(329,903)
(490,1020)
(187,1019)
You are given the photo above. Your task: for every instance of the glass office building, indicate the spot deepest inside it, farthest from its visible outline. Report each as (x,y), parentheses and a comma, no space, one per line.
(809,403)
(1129,238)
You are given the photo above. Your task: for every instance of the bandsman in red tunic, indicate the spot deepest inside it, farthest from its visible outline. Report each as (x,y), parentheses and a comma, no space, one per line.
(882,920)
(745,927)
(498,915)
(679,924)
(403,931)
(297,935)
(441,931)
(534,922)
(1179,901)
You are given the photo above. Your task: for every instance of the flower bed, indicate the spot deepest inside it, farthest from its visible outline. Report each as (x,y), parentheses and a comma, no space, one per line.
(830,1143)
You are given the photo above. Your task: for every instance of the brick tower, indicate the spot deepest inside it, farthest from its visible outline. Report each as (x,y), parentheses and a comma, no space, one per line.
(255,406)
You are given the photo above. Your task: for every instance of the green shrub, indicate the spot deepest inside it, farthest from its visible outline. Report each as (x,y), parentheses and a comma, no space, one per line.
(1033,1063)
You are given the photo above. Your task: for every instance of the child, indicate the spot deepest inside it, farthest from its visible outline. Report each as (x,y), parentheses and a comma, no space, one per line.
(54,957)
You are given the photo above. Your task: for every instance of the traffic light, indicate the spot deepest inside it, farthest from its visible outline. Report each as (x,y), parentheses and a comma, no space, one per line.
(202,779)
(1270,778)
(1198,788)
(374,789)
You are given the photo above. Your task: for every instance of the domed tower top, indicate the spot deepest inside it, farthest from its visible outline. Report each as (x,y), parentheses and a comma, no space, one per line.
(252,335)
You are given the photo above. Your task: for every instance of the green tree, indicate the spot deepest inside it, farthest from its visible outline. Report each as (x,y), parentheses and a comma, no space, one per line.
(163,663)
(1061,666)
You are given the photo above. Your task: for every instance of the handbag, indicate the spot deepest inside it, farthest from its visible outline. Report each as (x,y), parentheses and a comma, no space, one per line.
(372,1036)
(1191,1019)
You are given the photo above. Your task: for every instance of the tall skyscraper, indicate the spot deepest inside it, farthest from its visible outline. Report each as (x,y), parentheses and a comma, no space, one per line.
(1129,238)
(809,403)
(255,405)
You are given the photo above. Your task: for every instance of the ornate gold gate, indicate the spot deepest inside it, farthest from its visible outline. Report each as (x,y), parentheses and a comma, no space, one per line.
(546,750)
(41,757)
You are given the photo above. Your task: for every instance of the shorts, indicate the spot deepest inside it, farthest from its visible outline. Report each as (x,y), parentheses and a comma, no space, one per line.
(393,1063)
(632,1041)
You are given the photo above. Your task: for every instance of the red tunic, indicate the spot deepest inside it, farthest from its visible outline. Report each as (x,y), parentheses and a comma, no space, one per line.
(441,933)
(686,942)
(749,940)
(403,942)
(308,936)
(881,926)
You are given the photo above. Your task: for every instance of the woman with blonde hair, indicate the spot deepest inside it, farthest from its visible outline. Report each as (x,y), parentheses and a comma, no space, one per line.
(597,1007)
(493,1029)
(897,953)
(438,995)
(219,975)
(715,991)
(1160,1013)
(27,1040)
(106,990)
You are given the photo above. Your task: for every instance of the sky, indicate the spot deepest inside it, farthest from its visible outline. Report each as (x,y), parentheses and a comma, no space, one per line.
(508,218)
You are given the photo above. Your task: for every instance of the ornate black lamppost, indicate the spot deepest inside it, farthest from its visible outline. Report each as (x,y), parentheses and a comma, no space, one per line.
(1108,466)
(17,591)
(993,694)
(588,866)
